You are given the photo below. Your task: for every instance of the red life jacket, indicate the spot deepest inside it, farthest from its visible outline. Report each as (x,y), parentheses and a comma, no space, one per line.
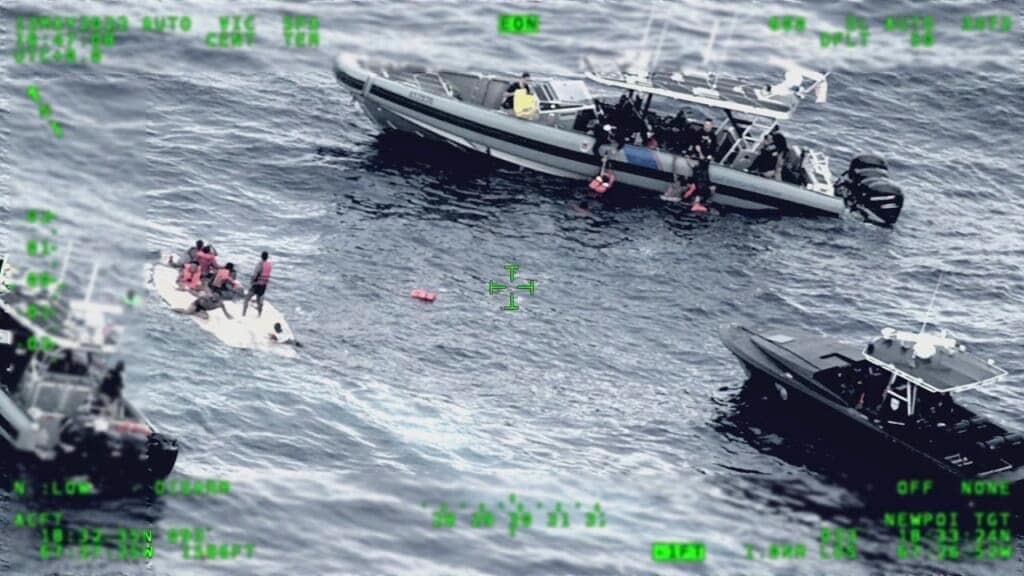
(190,275)
(223,275)
(602,182)
(205,261)
(264,277)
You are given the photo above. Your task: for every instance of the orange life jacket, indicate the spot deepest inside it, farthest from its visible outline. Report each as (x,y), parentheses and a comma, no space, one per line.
(602,182)
(205,261)
(223,275)
(264,277)
(190,275)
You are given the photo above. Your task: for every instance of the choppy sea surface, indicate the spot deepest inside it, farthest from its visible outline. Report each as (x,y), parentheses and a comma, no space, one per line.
(609,386)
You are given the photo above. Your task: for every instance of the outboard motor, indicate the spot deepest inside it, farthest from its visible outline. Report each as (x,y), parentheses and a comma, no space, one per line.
(161,453)
(868,161)
(868,190)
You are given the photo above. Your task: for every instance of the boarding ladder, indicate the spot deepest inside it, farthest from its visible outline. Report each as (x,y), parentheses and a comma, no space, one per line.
(751,139)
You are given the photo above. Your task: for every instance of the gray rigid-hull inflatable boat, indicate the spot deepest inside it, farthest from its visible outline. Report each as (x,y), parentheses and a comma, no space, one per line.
(466,110)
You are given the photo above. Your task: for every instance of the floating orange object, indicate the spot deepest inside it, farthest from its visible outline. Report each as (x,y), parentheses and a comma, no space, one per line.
(602,182)
(423,295)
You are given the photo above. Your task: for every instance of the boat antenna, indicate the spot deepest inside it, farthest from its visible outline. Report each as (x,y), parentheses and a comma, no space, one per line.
(928,313)
(647,30)
(63,268)
(657,51)
(711,42)
(92,281)
(713,66)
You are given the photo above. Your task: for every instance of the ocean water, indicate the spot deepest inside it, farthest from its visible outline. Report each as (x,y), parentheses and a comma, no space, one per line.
(609,386)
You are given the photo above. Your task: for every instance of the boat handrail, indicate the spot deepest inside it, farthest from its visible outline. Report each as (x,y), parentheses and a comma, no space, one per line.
(918,382)
(574,110)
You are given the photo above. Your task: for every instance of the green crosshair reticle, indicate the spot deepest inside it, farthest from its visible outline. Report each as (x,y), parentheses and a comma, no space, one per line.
(495,287)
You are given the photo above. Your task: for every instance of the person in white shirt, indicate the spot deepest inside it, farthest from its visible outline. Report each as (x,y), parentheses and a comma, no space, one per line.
(283,337)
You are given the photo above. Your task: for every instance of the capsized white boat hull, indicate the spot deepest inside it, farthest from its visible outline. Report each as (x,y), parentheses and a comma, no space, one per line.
(249,331)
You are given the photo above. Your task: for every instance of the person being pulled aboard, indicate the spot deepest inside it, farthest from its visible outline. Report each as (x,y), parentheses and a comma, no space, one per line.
(703,189)
(282,337)
(680,190)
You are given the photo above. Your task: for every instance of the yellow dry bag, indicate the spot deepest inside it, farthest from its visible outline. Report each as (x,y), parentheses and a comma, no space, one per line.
(524,103)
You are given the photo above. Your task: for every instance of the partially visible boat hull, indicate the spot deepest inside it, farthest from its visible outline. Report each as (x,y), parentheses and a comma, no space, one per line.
(57,439)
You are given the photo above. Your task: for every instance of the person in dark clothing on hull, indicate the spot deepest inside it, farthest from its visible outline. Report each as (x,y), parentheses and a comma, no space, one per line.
(205,304)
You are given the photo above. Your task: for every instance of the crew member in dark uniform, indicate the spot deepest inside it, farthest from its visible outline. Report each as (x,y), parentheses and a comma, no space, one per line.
(109,391)
(523,82)
(68,365)
(113,383)
(773,155)
(778,143)
(705,145)
(675,133)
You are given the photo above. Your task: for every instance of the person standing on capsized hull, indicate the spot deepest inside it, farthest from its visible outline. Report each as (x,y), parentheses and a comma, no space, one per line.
(260,279)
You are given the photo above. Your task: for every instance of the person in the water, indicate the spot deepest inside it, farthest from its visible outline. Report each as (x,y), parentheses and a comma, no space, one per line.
(281,337)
